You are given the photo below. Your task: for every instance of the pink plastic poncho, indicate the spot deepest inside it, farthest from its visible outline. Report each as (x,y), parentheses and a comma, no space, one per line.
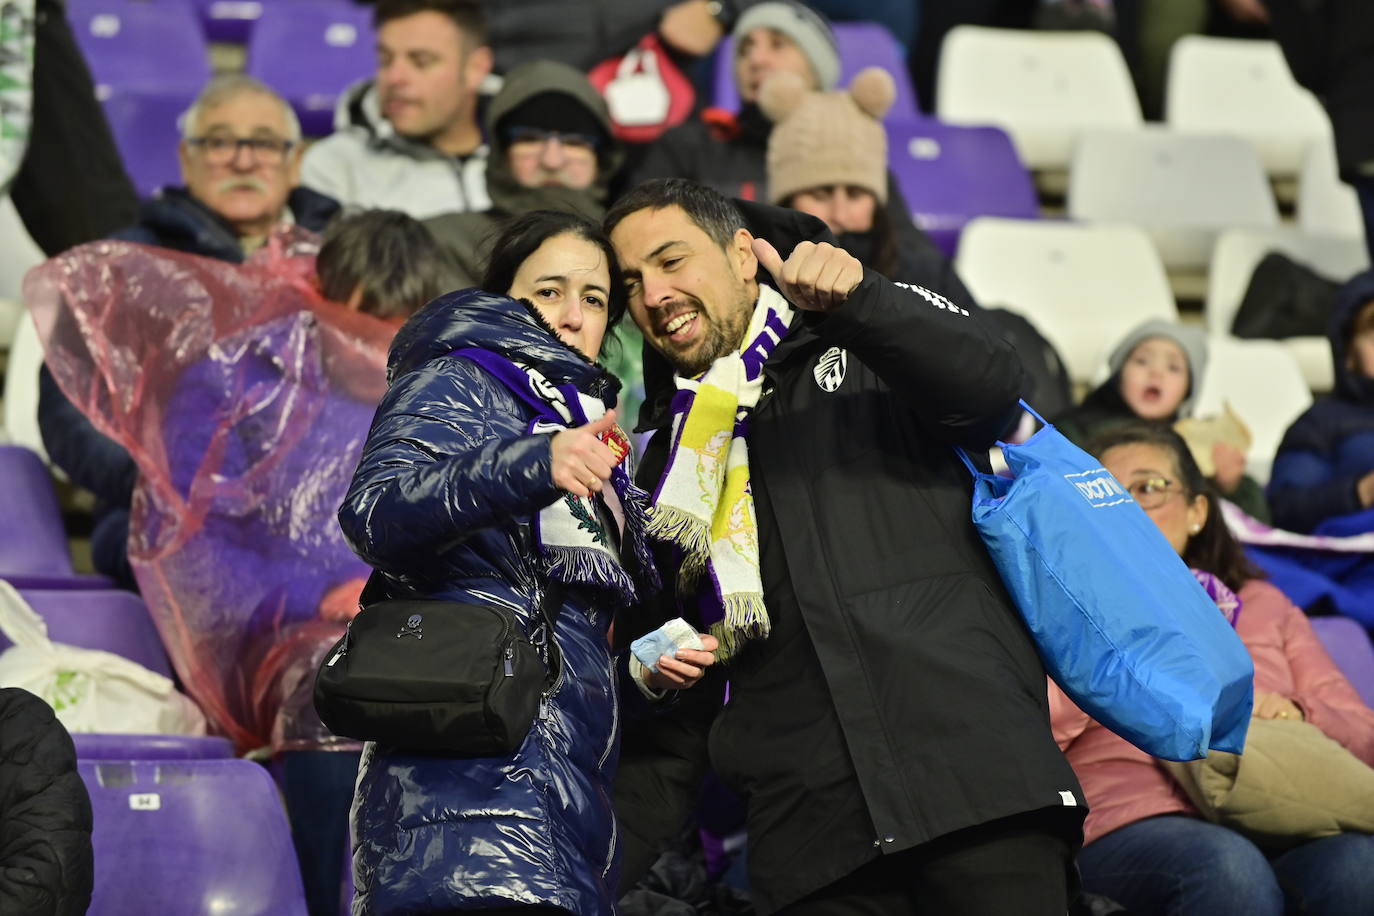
(244,398)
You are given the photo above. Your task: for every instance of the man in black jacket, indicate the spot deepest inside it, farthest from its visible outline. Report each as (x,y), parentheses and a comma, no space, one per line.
(887,721)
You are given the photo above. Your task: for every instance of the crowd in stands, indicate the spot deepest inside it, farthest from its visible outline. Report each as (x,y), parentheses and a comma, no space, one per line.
(215,354)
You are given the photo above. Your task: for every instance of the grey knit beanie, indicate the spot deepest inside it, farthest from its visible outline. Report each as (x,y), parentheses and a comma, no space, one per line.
(807,29)
(1193,342)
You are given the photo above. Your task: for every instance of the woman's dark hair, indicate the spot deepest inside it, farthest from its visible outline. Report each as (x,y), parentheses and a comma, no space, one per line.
(522,236)
(387,255)
(1214,548)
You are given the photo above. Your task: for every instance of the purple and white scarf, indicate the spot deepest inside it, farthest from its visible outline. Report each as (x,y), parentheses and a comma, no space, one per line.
(572,539)
(703,504)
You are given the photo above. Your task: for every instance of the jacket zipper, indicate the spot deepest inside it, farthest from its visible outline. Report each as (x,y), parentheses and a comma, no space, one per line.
(615,715)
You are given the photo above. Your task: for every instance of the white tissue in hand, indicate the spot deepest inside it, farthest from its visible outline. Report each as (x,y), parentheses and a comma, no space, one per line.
(666,640)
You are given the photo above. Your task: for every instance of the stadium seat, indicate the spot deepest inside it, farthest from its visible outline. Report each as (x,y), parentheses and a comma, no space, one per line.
(950,174)
(92,746)
(1262,382)
(229,21)
(141,46)
(1043,88)
(1239,251)
(1326,205)
(1183,189)
(111,620)
(147,133)
(1347,642)
(862,44)
(1083,286)
(335,36)
(1244,88)
(32,539)
(191,837)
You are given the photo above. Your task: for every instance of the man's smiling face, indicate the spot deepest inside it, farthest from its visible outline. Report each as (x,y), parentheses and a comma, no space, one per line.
(691,299)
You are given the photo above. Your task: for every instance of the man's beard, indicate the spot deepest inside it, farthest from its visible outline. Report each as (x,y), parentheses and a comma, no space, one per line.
(721,338)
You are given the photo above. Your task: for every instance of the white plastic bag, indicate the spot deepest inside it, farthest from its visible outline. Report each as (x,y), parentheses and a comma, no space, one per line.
(90,690)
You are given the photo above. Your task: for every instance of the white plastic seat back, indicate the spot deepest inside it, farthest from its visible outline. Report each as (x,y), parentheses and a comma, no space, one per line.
(21,388)
(1262,382)
(1184,189)
(1043,88)
(1326,205)
(1082,286)
(1237,254)
(1244,87)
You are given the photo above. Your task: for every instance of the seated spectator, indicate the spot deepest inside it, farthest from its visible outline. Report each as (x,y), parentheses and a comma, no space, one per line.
(727,151)
(240,159)
(1155,370)
(245,435)
(1324,469)
(1145,845)
(46,866)
(827,156)
(551,149)
(409,139)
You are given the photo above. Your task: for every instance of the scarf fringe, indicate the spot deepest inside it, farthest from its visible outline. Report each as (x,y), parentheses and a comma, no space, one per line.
(679,527)
(746,618)
(635,504)
(582,566)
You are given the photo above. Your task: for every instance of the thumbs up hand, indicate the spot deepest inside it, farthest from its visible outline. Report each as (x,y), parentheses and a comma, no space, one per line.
(818,278)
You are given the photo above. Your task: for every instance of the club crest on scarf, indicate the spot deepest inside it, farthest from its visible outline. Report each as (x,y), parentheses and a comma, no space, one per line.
(704,505)
(572,540)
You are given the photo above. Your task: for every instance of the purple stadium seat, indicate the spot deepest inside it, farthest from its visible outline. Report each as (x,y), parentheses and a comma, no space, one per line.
(32,540)
(335,36)
(146,132)
(862,44)
(1348,644)
(950,174)
(192,837)
(114,621)
(141,46)
(92,746)
(229,20)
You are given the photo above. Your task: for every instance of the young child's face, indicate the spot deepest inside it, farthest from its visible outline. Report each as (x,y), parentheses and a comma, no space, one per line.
(1362,342)
(1154,379)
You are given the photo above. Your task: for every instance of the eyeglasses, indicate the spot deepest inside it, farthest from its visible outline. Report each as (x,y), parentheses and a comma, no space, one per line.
(537,135)
(1153,492)
(221,149)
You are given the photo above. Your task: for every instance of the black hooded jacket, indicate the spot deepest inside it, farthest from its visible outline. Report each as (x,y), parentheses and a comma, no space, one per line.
(1330,447)
(899,697)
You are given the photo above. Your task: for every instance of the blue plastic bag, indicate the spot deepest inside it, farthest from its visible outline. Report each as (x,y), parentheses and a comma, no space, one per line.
(1120,622)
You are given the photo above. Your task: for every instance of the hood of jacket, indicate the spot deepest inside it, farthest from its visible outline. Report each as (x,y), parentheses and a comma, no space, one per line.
(786,229)
(522,84)
(1350,385)
(474,318)
(174,219)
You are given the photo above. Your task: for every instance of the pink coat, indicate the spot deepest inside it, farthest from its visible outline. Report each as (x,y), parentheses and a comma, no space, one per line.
(1124,784)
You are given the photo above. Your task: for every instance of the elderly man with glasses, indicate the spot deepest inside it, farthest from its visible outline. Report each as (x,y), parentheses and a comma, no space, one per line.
(240,159)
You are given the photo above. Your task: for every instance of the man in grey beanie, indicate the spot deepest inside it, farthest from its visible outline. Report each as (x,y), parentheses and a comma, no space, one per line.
(727,151)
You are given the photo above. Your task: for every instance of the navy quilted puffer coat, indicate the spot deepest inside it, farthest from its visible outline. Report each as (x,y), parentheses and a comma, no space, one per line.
(441,505)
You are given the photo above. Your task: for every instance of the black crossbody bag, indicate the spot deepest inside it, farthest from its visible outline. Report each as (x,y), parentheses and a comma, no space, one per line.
(439,676)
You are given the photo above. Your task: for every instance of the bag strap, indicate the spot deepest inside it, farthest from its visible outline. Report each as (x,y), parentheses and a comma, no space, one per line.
(549,608)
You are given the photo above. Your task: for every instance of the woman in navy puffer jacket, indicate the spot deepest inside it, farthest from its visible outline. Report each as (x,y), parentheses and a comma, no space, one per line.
(459,464)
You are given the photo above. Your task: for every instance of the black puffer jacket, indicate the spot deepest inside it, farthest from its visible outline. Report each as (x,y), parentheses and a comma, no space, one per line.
(46,866)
